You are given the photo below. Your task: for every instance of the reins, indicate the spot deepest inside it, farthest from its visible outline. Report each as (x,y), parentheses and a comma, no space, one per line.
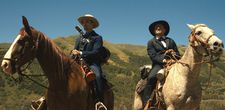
(205,44)
(20,72)
(21,75)
(34,45)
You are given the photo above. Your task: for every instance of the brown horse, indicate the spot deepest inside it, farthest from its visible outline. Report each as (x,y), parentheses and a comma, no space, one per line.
(67,89)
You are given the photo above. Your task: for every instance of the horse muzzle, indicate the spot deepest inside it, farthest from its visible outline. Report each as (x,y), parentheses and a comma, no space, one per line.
(216,46)
(8,67)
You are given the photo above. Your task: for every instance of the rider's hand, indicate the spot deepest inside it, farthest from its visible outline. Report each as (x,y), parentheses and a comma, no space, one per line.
(164,60)
(76,52)
(169,51)
(170,54)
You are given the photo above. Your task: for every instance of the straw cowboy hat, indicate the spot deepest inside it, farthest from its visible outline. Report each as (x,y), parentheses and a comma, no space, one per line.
(164,23)
(89,17)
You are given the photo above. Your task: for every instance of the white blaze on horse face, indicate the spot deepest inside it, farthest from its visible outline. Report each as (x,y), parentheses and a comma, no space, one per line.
(6,64)
(9,52)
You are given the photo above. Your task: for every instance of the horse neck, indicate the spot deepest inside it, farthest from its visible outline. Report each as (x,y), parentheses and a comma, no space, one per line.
(191,59)
(53,62)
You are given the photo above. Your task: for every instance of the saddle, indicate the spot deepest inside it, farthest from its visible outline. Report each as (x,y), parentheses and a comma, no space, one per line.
(145,71)
(157,92)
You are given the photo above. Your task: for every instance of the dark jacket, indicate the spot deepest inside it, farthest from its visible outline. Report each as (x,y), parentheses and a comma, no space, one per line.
(156,49)
(90,45)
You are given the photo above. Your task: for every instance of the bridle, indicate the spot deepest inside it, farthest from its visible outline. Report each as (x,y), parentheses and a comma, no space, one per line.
(204,44)
(193,39)
(28,42)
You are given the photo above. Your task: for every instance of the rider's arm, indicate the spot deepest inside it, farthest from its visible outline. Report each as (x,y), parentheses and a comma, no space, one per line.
(175,48)
(96,48)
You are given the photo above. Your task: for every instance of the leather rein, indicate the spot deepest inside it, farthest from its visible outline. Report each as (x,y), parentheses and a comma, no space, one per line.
(34,46)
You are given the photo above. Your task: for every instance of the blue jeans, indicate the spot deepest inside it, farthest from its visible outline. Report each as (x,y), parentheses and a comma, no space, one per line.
(98,72)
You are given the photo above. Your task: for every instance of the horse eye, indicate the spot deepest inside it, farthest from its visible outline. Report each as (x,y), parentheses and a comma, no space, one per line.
(20,42)
(26,43)
(198,33)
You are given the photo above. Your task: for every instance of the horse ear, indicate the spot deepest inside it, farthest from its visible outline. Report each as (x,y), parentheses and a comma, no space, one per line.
(191,26)
(26,25)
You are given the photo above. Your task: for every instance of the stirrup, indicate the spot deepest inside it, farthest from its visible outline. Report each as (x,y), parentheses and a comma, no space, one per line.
(152,108)
(100,106)
(38,105)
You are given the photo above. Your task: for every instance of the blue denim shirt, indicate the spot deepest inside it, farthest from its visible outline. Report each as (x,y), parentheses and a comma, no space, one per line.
(90,45)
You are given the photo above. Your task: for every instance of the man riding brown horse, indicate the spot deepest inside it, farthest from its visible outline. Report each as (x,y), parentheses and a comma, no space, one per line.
(88,46)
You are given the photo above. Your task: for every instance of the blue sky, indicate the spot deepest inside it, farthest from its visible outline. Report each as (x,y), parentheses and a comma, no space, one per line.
(121,21)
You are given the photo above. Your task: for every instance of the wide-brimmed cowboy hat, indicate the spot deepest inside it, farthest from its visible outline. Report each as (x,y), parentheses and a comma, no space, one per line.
(164,23)
(89,17)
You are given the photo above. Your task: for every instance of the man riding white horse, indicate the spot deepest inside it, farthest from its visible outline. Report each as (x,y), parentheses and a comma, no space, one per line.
(157,49)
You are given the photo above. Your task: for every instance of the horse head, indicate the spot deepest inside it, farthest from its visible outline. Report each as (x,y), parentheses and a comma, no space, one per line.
(22,50)
(205,41)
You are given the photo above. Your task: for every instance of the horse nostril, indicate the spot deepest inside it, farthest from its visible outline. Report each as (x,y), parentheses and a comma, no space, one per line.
(215,43)
(4,65)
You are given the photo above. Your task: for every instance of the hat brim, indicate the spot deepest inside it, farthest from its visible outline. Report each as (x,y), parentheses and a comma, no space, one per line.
(164,23)
(94,20)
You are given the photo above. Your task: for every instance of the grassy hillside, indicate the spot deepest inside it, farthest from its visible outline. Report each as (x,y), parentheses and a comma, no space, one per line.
(122,71)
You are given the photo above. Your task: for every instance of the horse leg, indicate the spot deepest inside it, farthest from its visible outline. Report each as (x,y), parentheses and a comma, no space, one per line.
(197,108)
(108,95)
(109,99)
(170,107)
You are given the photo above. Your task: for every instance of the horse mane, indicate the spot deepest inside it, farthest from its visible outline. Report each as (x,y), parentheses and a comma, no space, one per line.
(67,88)
(58,65)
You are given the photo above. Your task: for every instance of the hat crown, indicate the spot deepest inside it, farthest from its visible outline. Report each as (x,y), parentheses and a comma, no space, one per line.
(89,15)
(163,22)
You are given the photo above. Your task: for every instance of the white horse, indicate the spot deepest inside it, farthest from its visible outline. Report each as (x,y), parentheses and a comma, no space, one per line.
(182,90)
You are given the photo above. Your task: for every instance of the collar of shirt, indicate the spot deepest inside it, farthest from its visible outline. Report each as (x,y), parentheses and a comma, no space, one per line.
(89,34)
(161,38)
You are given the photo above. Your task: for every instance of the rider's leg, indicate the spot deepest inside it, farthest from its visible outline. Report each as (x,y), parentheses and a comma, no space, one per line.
(149,89)
(152,80)
(99,86)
